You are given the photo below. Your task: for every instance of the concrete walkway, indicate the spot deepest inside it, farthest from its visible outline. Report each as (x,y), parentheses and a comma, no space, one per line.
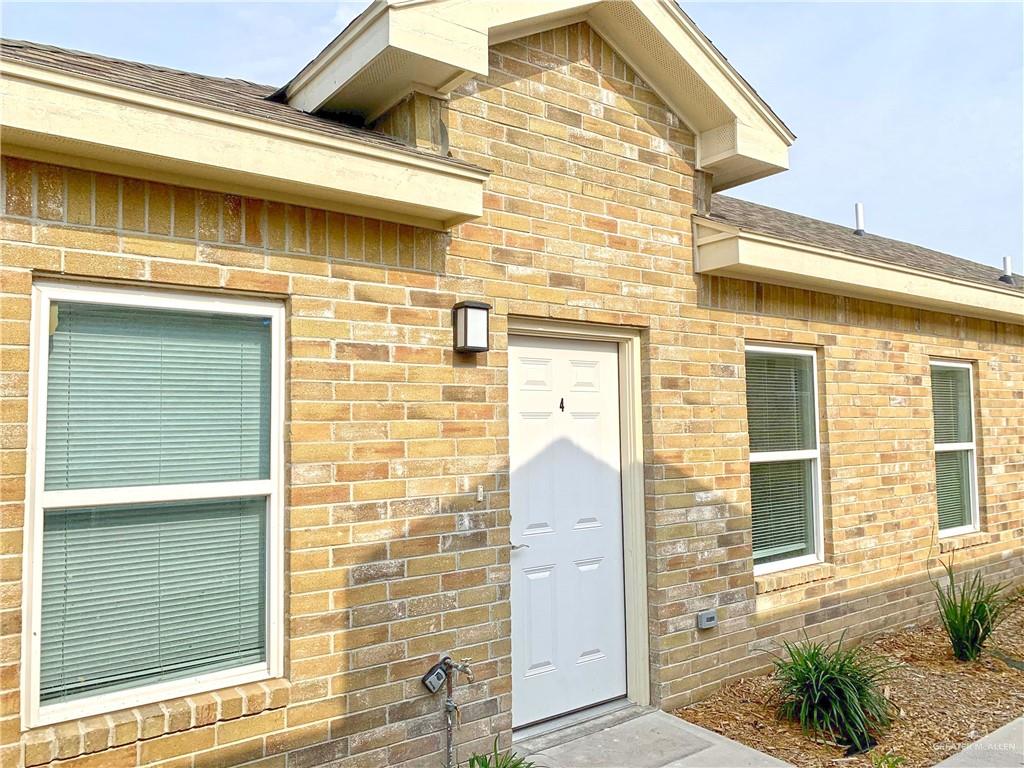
(640,738)
(645,738)
(1003,748)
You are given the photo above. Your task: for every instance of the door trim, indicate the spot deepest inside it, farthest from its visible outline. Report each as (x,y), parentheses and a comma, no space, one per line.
(631,442)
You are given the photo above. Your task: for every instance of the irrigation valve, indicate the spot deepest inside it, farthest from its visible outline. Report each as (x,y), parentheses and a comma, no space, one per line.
(460,666)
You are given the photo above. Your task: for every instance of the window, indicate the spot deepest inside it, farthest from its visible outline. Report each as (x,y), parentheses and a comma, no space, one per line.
(155,508)
(785,490)
(955,463)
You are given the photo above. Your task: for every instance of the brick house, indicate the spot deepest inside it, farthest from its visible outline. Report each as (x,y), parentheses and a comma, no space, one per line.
(250,492)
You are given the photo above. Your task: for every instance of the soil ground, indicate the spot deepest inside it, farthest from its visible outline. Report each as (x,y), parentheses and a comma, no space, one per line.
(941,704)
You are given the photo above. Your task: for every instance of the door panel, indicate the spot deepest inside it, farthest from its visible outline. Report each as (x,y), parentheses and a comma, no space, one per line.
(568,603)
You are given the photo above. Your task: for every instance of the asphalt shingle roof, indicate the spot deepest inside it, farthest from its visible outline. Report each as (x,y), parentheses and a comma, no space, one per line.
(761,219)
(253,100)
(240,97)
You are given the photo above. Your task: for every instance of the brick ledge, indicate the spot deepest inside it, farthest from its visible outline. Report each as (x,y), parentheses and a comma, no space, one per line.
(964,541)
(774,582)
(96,734)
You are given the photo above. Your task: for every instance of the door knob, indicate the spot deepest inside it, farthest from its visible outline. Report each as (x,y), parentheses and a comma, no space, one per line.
(518,546)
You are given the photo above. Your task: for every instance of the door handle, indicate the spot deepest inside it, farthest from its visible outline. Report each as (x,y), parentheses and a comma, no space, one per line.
(518,546)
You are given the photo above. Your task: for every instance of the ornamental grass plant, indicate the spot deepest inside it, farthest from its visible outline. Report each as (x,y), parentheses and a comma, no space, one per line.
(834,691)
(970,610)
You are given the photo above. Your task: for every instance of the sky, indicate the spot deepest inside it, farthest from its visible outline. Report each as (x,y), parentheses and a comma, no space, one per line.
(915,109)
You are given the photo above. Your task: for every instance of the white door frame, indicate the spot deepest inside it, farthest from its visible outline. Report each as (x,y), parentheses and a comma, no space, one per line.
(631,441)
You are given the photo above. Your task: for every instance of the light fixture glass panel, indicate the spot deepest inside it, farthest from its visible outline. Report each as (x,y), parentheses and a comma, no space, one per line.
(476,327)
(470,326)
(460,327)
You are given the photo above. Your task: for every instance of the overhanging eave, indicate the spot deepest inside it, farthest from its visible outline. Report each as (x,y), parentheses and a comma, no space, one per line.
(85,123)
(731,252)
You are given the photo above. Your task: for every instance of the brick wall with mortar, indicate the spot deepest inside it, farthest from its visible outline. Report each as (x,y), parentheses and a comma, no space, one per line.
(390,559)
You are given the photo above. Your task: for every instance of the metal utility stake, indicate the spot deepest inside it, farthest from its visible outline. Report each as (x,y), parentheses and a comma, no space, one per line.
(448,668)
(451,709)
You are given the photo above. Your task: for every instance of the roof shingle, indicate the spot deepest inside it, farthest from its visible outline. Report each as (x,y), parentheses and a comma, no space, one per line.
(240,97)
(763,220)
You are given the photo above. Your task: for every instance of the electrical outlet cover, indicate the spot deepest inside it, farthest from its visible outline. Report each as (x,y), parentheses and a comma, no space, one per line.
(707,619)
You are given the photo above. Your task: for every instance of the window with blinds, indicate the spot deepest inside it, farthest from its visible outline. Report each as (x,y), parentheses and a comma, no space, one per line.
(955,463)
(155,496)
(144,593)
(784,456)
(154,397)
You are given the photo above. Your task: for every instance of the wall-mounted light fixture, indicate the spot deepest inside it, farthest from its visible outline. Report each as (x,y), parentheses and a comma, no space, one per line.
(471,326)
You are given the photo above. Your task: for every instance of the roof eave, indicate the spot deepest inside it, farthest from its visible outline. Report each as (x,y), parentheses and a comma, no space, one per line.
(82,122)
(729,251)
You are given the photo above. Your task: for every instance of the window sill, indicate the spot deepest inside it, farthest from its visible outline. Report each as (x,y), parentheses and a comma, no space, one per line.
(775,582)
(964,540)
(101,732)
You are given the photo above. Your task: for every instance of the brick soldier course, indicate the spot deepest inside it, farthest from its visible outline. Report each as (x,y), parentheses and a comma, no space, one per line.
(390,558)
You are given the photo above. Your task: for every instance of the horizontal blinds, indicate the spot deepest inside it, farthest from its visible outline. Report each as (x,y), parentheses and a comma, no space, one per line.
(951,404)
(137,396)
(953,488)
(780,404)
(142,594)
(781,500)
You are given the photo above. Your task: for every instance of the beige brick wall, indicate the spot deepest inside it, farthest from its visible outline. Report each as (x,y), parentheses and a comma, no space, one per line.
(878,476)
(390,559)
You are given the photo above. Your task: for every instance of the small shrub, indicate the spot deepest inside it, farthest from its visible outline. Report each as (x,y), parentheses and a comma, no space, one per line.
(835,691)
(507,759)
(888,760)
(970,612)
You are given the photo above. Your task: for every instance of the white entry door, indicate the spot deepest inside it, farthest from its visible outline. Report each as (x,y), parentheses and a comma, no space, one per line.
(568,603)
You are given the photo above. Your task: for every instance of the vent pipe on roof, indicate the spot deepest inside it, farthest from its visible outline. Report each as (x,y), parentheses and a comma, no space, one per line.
(1007,276)
(858,212)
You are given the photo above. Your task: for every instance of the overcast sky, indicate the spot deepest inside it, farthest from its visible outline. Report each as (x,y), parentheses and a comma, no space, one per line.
(915,108)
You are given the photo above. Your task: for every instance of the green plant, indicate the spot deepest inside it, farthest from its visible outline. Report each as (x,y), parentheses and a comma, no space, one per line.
(888,760)
(497,759)
(970,612)
(835,691)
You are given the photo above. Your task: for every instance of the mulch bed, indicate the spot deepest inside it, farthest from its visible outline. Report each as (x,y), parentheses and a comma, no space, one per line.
(942,705)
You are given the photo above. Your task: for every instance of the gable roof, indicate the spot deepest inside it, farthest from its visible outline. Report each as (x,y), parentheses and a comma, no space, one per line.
(241,97)
(434,46)
(751,217)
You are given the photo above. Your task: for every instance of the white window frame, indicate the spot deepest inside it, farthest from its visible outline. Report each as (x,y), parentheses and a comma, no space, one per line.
(44,293)
(764,457)
(971,447)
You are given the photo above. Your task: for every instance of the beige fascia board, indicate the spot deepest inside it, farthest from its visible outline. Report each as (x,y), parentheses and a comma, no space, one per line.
(342,60)
(399,44)
(363,27)
(714,69)
(104,126)
(735,154)
(730,252)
